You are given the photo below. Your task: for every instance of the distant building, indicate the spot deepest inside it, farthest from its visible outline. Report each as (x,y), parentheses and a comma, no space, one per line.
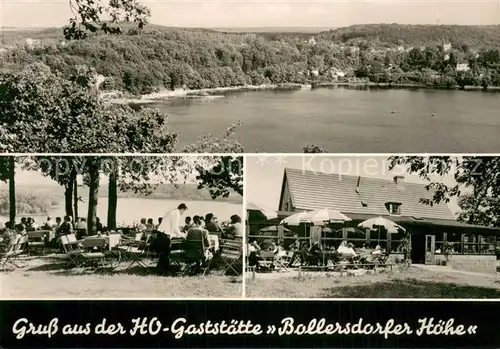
(463,67)
(312,40)
(447,47)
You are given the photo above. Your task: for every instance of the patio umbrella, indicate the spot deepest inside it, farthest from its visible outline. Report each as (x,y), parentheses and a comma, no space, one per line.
(273,229)
(381,222)
(316,217)
(268,214)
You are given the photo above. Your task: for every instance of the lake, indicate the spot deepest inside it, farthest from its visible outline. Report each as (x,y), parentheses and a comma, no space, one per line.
(130,210)
(347,120)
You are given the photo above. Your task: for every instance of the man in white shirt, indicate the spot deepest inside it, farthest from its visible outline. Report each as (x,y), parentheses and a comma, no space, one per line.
(171,222)
(170,227)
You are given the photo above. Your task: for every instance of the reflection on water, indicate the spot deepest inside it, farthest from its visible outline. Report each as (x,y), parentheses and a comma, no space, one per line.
(346,120)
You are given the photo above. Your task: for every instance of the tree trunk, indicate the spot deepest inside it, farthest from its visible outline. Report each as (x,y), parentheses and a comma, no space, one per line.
(93,194)
(112,199)
(75,199)
(12,190)
(68,199)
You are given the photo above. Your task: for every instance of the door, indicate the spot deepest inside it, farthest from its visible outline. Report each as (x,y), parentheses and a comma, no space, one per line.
(430,249)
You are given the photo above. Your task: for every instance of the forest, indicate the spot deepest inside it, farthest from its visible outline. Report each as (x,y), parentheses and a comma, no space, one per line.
(156,58)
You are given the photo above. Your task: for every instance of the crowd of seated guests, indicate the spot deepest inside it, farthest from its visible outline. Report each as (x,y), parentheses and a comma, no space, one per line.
(313,254)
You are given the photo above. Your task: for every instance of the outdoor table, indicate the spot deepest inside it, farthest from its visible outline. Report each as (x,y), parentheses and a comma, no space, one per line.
(214,241)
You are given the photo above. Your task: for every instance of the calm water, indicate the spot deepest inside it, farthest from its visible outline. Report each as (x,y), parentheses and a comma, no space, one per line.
(130,210)
(347,120)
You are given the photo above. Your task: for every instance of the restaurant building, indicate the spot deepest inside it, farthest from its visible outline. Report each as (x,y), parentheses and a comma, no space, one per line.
(361,198)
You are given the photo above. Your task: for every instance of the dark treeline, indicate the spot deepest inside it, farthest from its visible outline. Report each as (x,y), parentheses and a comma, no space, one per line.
(40,199)
(143,62)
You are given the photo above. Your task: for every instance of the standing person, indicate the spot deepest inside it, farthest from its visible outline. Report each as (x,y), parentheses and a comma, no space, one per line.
(160,219)
(169,228)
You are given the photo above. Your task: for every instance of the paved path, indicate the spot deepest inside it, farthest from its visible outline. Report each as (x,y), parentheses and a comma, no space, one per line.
(443,269)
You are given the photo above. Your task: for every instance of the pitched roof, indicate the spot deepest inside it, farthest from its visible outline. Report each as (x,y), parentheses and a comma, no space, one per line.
(315,190)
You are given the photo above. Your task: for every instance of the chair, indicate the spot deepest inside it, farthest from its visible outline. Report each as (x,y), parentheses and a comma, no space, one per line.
(15,249)
(231,254)
(283,262)
(136,251)
(94,252)
(176,251)
(267,259)
(72,250)
(37,240)
(195,253)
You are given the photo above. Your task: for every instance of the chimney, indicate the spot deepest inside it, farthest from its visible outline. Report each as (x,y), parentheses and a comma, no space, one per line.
(399,181)
(357,184)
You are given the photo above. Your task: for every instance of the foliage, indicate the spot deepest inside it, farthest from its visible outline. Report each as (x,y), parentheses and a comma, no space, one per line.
(160,57)
(222,177)
(223,143)
(90,16)
(27,202)
(311,149)
(477,184)
(43,112)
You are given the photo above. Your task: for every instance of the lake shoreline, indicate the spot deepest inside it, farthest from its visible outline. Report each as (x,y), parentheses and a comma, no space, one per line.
(219,92)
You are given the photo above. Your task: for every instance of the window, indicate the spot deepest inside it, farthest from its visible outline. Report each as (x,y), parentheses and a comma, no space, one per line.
(439,242)
(456,240)
(487,244)
(393,207)
(471,244)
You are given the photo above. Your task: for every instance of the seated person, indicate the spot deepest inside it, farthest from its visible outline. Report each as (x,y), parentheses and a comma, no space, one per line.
(235,229)
(266,244)
(187,224)
(32,225)
(253,255)
(377,251)
(315,254)
(342,248)
(211,224)
(273,248)
(7,237)
(198,233)
(281,252)
(65,228)
(142,226)
(349,251)
(150,226)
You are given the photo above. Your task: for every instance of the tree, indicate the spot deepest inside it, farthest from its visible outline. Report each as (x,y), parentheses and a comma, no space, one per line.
(311,149)
(90,16)
(477,185)
(7,174)
(223,177)
(64,170)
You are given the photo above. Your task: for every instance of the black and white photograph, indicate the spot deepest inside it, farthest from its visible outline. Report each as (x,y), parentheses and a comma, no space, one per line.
(250,76)
(121,227)
(372,227)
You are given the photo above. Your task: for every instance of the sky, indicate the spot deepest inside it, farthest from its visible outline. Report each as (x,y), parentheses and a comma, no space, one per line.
(264,175)
(271,13)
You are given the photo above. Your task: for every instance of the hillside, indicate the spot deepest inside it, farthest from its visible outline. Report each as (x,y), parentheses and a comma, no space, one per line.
(33,199)
(457,35)
(171,58)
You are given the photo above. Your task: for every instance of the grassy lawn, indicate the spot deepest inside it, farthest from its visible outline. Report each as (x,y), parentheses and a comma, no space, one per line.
(415,283)
(41,279)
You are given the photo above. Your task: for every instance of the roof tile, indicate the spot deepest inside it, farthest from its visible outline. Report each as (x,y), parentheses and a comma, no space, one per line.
(315,190)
